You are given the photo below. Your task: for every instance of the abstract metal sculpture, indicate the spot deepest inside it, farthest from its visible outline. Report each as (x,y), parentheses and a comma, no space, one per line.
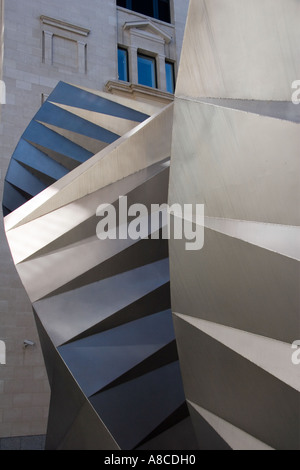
(103,309)
(236,145)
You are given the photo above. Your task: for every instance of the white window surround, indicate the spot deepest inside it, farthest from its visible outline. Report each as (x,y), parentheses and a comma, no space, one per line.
(149,29)
(147,38)
(52,27)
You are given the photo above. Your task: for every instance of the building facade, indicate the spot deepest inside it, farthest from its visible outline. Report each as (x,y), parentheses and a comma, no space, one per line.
(110,46)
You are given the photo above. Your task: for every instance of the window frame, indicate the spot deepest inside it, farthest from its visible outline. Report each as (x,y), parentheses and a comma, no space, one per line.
(172,63)
(123,48)
(152,58)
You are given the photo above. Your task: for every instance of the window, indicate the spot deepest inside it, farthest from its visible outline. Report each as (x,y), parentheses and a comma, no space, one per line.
(145,7)
(163,9)
(147,70)
(123,64)
(159,9)
(170,77)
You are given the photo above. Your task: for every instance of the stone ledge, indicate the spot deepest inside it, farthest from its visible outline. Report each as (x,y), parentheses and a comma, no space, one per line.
(64,25)
(138,91)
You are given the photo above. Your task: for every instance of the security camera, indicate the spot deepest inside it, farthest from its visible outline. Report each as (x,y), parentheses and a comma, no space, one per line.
(27,342)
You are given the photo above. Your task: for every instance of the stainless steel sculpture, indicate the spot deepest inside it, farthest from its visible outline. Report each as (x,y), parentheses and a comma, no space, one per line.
(236,149)
(103,310)
(102,307)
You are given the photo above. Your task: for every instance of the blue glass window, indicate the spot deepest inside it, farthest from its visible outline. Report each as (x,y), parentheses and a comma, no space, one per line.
(147,70)
(123,64)
(159,9)
(170,78)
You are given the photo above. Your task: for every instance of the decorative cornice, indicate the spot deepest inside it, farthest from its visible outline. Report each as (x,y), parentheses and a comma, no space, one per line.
(148,25)
(132,88)
(64,25)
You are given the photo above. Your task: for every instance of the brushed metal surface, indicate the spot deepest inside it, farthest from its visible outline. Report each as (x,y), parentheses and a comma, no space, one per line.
(240,49)
(235,149)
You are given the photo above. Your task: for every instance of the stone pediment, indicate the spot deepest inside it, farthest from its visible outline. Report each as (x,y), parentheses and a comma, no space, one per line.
(148,29)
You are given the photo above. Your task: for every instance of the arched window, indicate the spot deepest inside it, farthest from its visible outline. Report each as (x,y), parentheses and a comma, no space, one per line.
(159,9)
